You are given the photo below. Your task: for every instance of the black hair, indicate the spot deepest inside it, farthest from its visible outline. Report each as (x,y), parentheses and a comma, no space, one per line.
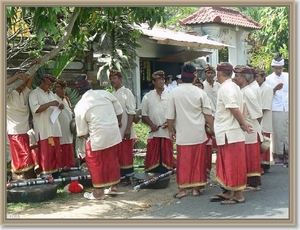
(83,89)
(189,68)
(187,79)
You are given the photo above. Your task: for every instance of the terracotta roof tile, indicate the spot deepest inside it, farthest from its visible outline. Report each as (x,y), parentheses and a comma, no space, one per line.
(221,15)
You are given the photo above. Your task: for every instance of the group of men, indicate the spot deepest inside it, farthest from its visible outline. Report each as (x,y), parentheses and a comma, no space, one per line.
(47,147)
(237,103)
(105,120)
(238,108)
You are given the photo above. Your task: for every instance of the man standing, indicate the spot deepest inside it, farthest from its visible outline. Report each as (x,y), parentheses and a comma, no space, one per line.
(255,87)
(42,103)
(127,101)
(168,83)
(243,75)
(23,160)
(279,81)
(176,82)
(64,118)
(211,86)
(188,108)
(98,117)
(229,127)
(266,121)
(159,157)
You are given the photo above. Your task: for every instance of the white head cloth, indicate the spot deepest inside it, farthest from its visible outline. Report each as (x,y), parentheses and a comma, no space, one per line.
(277,63)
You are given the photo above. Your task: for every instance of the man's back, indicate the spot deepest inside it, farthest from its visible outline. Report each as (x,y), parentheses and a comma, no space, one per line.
(96,114)
(225,124)
(187,103)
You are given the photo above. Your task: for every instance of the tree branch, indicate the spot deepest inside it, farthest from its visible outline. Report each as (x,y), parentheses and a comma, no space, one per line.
(50,55)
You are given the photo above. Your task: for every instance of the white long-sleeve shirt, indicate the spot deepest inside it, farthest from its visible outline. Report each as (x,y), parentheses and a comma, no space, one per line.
(281,97)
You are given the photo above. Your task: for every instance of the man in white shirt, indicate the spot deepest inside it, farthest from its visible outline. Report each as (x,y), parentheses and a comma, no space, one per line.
(255,87)
(211,86)
(266,121)
(176,82)
(23,159)
(279,81)
(229,127)
(42,103)
(159,157)
(188,108)
(168,83)
(242,77)
(66,141)
(98,116)
(127,101)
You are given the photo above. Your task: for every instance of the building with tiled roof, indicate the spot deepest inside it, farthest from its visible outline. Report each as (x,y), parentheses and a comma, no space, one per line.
(222,15)
(223,25)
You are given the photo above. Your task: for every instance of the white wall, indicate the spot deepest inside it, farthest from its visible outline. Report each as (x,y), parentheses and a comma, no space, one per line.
(231,35)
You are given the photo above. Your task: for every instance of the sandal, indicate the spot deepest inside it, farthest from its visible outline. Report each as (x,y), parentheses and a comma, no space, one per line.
(112,192)
(248,189)
(217,198)
(90,196)
(179,197)
(232,201)
(256,188)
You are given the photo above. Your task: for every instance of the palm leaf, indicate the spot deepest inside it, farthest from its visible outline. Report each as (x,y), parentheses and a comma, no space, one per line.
(73,96)
(61,62)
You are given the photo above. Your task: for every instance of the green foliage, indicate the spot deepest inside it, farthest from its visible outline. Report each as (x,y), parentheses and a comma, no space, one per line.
(61,62)
(273,38)
(275,33)
(223,55)
(119,37)
(174,14)
(38,76)
(251,12)
(113,25)
(262,59)
(73,96)
(141,131)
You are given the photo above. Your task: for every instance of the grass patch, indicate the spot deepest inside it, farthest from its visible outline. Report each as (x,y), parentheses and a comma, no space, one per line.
(141,131)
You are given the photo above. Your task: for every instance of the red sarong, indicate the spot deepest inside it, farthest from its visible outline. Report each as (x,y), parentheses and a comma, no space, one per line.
(253,159)
(48,151)
(21,159)
(103,166)
(125,154)
(159,147)
(231,170)
(265,157)
(67,156)
(191,165)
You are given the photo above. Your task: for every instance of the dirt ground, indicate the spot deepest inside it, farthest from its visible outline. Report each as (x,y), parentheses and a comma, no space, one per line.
(130,203)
